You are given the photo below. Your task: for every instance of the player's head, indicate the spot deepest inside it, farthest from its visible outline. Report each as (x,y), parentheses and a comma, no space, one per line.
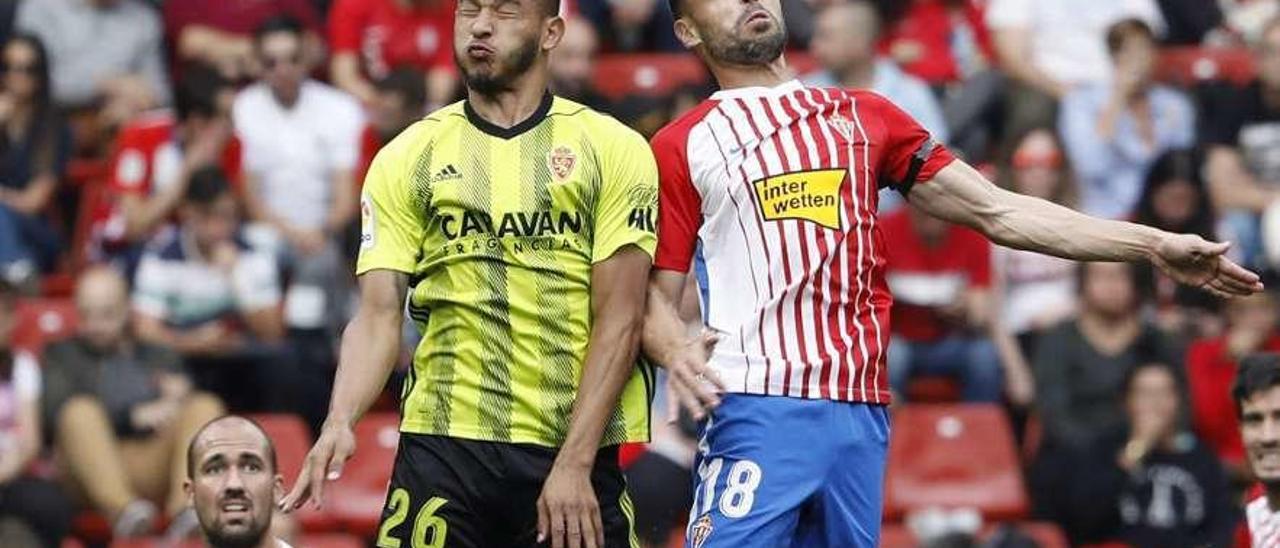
(844,36)
(208,209)
(731,32)
(1257,397)
(202,96)
(232,481)
(278,44)
(1132,46)
(1267,54)
(1109,290)
(102,302)
(497,43)
(1151,393)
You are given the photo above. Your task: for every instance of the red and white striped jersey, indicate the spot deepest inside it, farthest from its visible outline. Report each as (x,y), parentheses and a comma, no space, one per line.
(780,186)
(1264,525)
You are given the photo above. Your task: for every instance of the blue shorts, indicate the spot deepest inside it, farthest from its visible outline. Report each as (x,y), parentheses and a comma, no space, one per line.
(774,471)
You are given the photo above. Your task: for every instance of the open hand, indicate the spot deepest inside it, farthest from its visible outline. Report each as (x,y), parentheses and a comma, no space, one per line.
(1192,260)
(568,513)
(690,382)
(324,462)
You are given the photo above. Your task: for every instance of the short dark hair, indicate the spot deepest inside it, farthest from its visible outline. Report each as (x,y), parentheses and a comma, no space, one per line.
(676,6)
(278,23)
(1124,29)
(409,83)
(551,7)
(1257,373)
(207,185)
(191,444)
(1148,360)
(196,93)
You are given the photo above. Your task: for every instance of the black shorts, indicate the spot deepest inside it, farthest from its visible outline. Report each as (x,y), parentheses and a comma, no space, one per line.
(477,494)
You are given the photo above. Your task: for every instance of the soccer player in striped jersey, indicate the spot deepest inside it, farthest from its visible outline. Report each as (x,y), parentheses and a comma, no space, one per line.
(521,225)
(1257,397)
(779,184)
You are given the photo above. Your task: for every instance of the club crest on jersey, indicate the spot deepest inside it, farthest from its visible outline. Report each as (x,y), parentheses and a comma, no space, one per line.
(700,531)
(842,126)
(802,195)
(561,161)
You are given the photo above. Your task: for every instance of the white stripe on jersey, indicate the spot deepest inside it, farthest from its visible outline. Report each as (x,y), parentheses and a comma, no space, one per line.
(1264,525)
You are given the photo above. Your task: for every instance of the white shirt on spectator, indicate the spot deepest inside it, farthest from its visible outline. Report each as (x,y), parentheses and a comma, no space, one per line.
(1036,288)
(1068,37)
(293,153)
(177,285)
(23,387)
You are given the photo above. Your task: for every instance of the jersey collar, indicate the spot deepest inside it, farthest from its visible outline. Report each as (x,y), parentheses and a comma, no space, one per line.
(757,91)
(508,132)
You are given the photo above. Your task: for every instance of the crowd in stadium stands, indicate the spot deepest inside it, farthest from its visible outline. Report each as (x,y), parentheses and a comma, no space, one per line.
(184,175)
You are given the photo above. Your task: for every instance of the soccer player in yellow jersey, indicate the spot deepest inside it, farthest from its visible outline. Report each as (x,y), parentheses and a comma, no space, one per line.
(522,227)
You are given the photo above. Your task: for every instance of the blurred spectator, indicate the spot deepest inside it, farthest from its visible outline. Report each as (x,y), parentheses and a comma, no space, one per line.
(1080,364)
(1050,46)
(34,151)
(1174,199)
(1189,22)
(632,25)
(844,43)
(940,41)
(120,410)
(800,16)
(401,101)
(940,276)
(227,326)
(29,507)
(1154,484)
(370,38)
(301,142)
(1247,20)
(1212,366)
(1113,132)
(1242,136)
(1038,291)
(572,65)
(106,55)
(644,113)
(219,33)
(154,159)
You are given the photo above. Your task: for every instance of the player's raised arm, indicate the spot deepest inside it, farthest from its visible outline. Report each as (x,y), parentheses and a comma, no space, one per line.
(958,193)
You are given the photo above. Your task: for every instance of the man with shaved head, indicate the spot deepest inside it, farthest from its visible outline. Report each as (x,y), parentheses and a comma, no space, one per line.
(117,408)
(233,483)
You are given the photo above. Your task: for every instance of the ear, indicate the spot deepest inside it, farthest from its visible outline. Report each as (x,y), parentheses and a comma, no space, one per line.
(687,33)
(277,488)
(552,32)
(189,489)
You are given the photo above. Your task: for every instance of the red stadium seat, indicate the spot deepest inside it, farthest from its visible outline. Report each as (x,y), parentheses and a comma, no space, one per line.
(41,321)
(954,456)
(894,535)
(1189,65)
(292,441)
(357,498)
(933,389)
(655,74)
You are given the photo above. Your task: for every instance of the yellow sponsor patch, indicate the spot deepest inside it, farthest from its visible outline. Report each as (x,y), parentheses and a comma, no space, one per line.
(804,195)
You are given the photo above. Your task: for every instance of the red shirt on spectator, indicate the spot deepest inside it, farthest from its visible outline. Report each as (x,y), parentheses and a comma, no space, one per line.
(370,144)
(233,16)
(932,25)
(147,157)
(386,34)
(1211,371)
(961,259)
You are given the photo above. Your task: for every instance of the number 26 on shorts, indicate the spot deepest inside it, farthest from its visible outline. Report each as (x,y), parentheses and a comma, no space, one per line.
(429,530)
(740,487)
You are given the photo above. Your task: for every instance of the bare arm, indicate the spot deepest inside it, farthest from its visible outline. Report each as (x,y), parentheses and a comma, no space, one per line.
(205,340)
(343,206)
(345,70)
(16,460)
(267,324)
(34,198)
(1231,185)
(370,346)
(212,46)
(1013,47)
(961,195)
(664,332)
(690,383)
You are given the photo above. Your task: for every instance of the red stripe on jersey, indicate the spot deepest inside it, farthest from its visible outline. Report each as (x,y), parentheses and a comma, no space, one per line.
(806,163)
(835,265)
(866,264)
(826,334)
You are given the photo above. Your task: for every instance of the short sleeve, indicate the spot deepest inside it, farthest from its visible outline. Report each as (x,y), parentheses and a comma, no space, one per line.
(910,154)
(345,21)
(1004,14)
(628,198)
(151,288)
(679,205)
(255,282)
(391,224)
(26,376)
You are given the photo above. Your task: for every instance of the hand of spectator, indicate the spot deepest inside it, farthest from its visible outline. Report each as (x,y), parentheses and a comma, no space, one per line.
(690,382)
(124,97)
(1243,340)
(1020,386)
(173,386)
(324,462)
(568,513)
(154,415)
(1192,260)
(632,13)
(309,242)
(213,338)
(224,256)
(906,51)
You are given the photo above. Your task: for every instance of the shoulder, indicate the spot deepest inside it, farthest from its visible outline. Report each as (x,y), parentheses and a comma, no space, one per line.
(254,96)
(602,130)
(330,98)
(675,135)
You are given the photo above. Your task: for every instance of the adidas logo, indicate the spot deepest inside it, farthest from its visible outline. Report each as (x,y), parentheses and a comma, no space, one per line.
(449,173)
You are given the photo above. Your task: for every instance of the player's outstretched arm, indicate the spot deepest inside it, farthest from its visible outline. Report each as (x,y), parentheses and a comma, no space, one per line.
(370,345)
(568,512)
(690,383)
(958,193)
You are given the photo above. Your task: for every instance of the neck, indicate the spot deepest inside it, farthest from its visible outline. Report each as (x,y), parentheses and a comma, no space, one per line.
(509,107)
(1108,322)
(287,100)
(861,75)
(744,76)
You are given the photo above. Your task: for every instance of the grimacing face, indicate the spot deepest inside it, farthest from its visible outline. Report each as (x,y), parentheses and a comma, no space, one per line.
(734,32)
(1260,431)
(233,488)
(495,42)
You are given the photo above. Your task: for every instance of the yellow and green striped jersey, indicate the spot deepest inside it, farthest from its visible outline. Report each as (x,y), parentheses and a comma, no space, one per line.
(498,229)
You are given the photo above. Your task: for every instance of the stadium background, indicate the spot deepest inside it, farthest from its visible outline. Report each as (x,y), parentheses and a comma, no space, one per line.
(1020,87)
